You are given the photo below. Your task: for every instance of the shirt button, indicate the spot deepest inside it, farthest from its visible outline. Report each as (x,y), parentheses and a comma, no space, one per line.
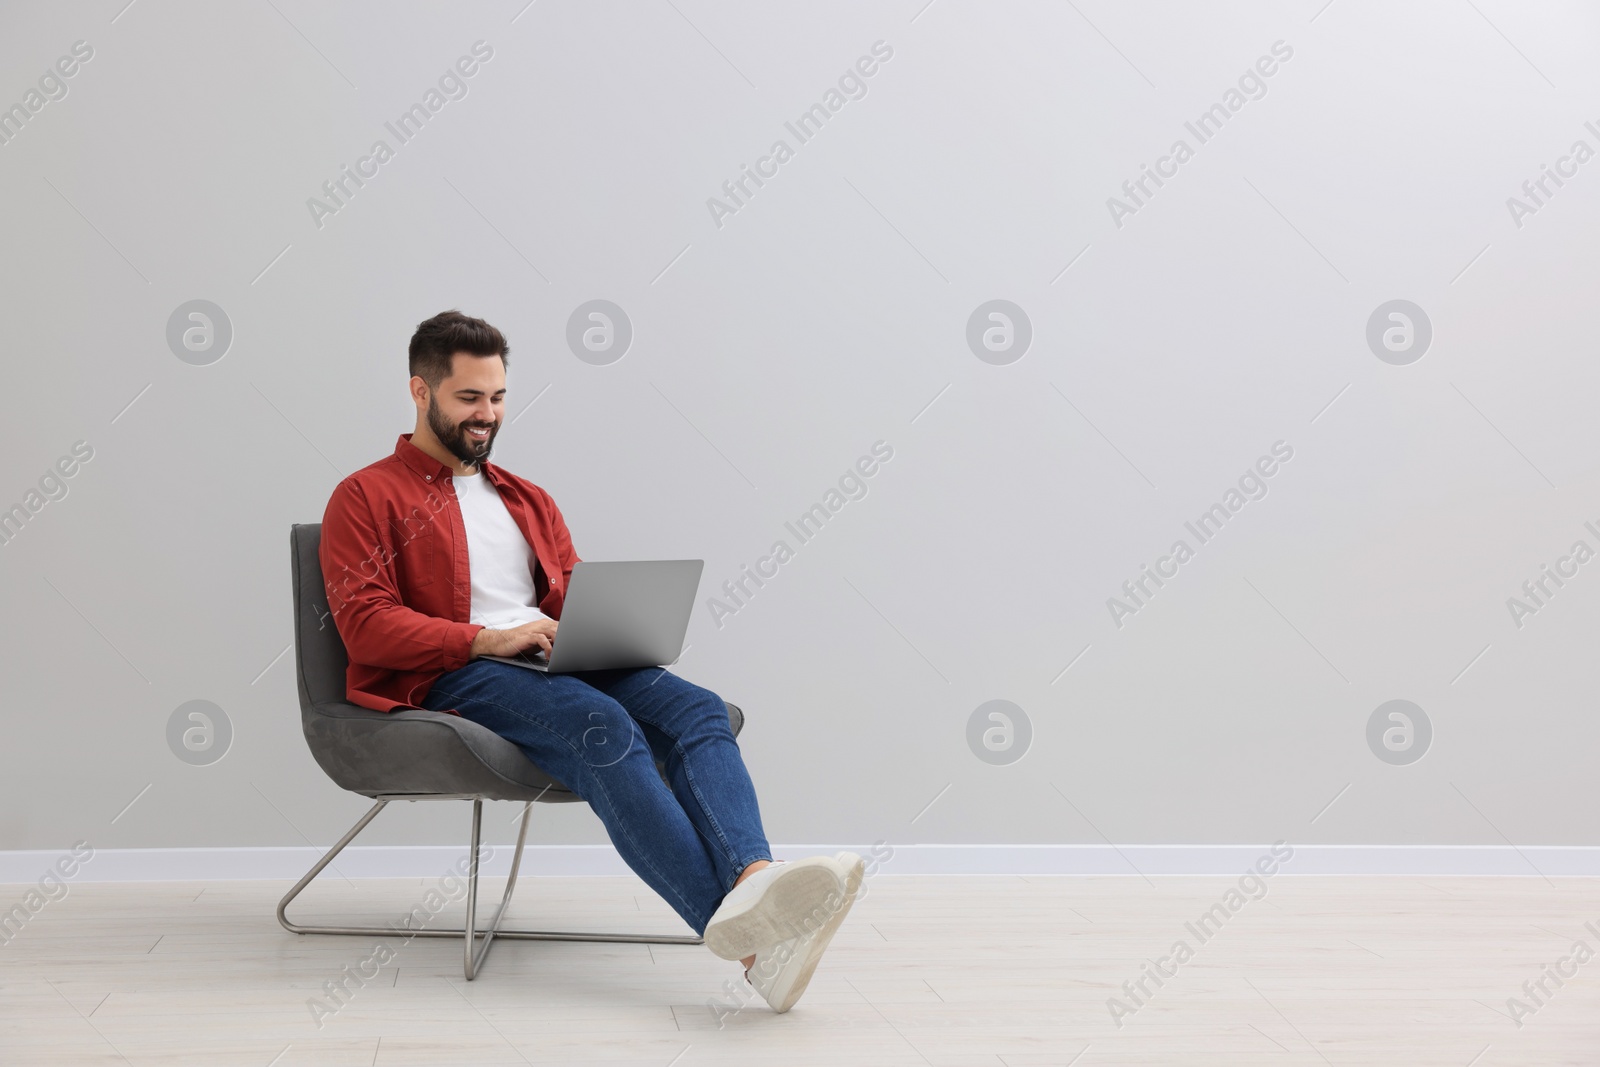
(429,478)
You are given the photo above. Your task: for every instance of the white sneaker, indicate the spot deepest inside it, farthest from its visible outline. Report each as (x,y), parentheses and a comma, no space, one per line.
(781,972)
(775,904)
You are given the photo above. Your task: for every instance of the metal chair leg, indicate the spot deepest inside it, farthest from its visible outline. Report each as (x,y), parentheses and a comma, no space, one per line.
(473,959)
(474,952)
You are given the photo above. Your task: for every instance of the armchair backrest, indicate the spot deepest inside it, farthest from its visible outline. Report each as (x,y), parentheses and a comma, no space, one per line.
(319,653)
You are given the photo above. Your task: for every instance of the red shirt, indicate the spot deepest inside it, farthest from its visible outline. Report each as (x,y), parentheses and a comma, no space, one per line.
(394,559)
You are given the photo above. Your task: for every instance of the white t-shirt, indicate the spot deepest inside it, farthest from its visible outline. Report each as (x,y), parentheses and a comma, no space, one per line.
(499,558)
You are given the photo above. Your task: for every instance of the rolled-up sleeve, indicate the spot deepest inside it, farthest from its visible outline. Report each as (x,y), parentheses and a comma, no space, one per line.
(364,598)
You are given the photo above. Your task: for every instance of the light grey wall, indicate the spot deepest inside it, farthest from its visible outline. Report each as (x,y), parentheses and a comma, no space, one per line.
(1170,349)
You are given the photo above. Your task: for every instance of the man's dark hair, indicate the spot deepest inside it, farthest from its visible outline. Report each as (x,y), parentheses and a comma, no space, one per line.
(447,333)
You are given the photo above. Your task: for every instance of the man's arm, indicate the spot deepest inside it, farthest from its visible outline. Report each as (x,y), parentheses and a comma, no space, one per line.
(377,628)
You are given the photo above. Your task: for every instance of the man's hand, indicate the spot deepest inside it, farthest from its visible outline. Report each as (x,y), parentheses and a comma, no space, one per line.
(538,633)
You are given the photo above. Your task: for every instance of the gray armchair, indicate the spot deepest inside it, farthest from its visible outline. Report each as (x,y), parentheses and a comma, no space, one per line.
(413,755)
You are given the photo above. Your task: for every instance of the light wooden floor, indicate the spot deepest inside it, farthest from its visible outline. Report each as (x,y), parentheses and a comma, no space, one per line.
(1000,971)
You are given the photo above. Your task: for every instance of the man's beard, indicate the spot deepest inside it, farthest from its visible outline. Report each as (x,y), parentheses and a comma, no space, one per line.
(455,437)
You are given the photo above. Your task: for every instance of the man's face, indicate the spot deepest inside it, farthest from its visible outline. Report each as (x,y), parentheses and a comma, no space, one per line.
(464,412)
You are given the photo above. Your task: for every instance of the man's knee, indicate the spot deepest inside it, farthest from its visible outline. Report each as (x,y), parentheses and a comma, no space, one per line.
(707,703)
(709,714)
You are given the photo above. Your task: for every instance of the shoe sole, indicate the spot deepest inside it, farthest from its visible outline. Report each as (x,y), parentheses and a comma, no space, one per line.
(855,868)
(778,913)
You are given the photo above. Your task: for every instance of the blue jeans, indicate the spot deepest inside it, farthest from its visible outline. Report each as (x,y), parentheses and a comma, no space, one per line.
(600,733)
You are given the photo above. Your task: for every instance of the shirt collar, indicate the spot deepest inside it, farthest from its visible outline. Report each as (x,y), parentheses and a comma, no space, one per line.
(431,469)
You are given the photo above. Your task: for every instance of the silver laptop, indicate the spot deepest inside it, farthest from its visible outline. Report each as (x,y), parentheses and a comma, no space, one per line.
(632,613)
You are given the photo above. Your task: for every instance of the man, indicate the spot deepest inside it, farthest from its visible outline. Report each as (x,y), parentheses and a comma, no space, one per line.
(434,558)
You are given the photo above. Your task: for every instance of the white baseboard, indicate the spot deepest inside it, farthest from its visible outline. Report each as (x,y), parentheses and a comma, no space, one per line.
(427,861)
